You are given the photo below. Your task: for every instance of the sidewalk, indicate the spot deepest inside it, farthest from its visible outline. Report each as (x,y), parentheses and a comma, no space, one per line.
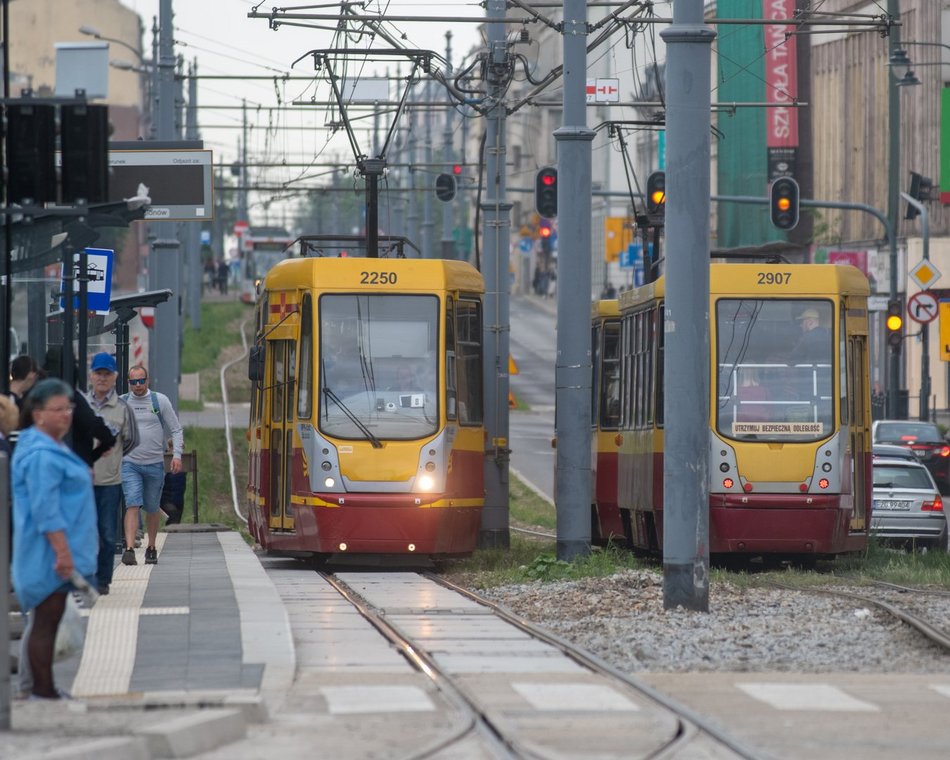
(178,659)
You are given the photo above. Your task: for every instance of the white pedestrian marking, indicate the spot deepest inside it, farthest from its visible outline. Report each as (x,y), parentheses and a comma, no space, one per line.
(943,689)
(344,700)
(581,697)
(108,656)
(805,696)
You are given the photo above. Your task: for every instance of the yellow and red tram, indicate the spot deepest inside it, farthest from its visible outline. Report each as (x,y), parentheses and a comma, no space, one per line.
(606,523)
(366,430)
(789,454)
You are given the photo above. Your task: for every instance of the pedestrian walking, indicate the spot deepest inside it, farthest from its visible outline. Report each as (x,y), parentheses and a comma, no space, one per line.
(23,374)
(143,468)
(54,519)
(107,471)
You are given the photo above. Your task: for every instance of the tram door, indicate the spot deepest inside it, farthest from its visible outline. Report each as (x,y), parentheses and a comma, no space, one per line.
(860,445)
(282,355)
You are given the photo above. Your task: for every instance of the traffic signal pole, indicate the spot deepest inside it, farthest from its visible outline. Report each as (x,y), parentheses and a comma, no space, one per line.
(924,410)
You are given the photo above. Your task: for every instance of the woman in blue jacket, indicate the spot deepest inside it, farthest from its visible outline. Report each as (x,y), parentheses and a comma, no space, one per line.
(54,523)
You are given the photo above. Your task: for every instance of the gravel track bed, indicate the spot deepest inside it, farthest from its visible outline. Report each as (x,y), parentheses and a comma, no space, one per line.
(621,620)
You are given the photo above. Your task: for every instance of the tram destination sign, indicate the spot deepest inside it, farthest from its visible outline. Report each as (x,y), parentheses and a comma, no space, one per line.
(178,177)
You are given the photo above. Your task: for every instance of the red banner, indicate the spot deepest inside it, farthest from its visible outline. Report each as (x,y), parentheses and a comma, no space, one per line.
(781,88)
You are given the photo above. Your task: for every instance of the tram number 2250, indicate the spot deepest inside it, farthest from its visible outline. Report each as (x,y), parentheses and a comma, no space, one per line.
(377,278)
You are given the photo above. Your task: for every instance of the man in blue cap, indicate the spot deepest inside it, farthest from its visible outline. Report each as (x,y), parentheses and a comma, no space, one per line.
(107,471)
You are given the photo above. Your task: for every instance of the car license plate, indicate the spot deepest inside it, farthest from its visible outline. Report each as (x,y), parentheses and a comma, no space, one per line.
(900,505)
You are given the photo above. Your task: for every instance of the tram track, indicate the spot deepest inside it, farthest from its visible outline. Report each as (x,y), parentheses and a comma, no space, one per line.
(684,729)
(932,631)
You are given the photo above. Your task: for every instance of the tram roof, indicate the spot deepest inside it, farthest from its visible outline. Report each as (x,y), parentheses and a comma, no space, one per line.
(605,308)
(745,279)
(346,273)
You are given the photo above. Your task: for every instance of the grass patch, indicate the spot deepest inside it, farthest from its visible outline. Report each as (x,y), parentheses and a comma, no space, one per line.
(218,341)
(214,484)
(527,508)
(533,559)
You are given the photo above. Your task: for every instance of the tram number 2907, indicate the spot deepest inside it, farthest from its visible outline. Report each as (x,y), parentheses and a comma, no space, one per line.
(377,278)
(775,278)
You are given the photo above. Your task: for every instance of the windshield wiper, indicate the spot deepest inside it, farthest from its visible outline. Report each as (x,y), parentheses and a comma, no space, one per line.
(353,418)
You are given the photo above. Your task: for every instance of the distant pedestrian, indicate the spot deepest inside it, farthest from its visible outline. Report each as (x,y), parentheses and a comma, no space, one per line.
(143,469)
(23,374)
(210,274)
(54,524)
(223,272)
(107,473)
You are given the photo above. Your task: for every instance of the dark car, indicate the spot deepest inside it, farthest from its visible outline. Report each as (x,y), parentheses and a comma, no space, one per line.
(907,507)
(924,439)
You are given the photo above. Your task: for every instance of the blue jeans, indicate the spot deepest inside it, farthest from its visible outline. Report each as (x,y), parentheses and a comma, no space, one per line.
(108,501)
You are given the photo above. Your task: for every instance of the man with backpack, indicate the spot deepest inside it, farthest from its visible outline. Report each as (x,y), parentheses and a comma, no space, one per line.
(143,469)
(107,471)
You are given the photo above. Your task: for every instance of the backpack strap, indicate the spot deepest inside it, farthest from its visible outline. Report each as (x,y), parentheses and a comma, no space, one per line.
(158,410)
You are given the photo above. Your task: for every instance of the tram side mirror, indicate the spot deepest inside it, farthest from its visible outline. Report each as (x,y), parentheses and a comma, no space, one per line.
(255,365)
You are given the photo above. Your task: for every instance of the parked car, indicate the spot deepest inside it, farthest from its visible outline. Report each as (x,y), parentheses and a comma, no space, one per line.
(907,507)
(924,439)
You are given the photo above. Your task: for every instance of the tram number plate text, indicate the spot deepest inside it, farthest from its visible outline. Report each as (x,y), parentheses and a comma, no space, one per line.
(377,278)
(898,505)
(775,278)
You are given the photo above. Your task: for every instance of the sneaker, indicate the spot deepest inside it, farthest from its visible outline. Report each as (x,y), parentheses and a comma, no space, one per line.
(128,557)
(104,590)
(151,556)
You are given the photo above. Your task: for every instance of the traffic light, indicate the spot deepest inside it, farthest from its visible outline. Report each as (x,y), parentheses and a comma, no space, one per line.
(920,190)
(895,324)
(445,186)
(544,233)
(783,202)
(656,198)
(545,192)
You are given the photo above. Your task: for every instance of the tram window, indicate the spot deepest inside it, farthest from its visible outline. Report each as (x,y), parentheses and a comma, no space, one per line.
(842,365)
(657,364)
(291,376)
(277,381)
(595,389)
(305,380)
(365,342)
(469,361)
(451,399)
(610,397)
(776,373)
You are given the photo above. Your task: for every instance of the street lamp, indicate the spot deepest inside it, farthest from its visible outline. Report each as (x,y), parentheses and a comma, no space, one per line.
(899,58)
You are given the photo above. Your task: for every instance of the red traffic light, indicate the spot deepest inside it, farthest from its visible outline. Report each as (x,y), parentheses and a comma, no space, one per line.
(456,169)
(548,179)
(545,232)
(545,192)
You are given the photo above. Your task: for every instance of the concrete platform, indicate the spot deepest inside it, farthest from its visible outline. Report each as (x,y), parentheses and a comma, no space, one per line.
(179,658)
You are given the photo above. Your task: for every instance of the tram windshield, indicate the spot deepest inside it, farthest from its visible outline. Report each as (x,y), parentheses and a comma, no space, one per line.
(378,366)
(775,369)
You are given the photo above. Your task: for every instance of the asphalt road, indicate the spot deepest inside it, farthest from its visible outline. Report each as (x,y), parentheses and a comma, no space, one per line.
(533,346)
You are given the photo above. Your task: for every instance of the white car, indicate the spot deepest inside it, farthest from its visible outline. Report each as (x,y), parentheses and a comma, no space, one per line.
(907,506)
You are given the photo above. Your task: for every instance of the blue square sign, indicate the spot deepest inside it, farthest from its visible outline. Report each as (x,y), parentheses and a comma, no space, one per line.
(98,279)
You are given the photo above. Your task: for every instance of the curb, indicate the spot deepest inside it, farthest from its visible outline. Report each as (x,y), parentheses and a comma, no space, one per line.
(115,747)
(191,734)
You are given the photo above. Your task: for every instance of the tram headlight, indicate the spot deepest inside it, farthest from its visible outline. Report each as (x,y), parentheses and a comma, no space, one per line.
(728,483)
(426,483)
(326,466)
(826,467)
(823,483)
(430,466)
(329,482)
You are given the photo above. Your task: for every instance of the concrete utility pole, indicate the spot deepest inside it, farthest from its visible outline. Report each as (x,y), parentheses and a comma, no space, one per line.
(893,198)
(686,325)
(496,226)
(573,369)
(193,230)
(164,270)
(428,224)
(448,244)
